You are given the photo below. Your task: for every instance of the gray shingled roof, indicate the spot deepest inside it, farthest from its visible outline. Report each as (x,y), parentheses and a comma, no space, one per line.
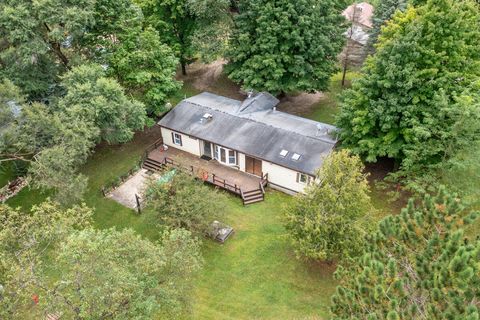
(255,128)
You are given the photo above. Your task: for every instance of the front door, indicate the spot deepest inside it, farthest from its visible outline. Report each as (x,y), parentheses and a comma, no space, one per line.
(253,166)
(207,149)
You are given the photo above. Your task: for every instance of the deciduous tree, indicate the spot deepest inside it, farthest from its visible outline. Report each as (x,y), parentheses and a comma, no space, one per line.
(282,46)
(328,222)
(383,12)
(146,67)
(185,203)
(181,21)
(417,265)
(83,273)
(37,39)
(94,97)
(411,100)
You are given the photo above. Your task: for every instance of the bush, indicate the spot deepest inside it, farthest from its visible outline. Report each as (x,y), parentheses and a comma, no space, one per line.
(185,202)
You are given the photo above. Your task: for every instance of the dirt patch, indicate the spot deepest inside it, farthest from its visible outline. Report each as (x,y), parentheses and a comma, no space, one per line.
(378,171)
(210,77)
(301,104)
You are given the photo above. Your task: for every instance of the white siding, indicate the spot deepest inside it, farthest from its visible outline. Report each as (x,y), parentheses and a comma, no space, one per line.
(282,176)
(190,145)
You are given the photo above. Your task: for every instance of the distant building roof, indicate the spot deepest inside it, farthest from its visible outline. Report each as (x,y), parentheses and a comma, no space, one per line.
(256,128)
(15,108)
(360,13)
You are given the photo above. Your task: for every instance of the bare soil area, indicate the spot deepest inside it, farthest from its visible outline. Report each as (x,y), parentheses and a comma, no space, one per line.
(301,104)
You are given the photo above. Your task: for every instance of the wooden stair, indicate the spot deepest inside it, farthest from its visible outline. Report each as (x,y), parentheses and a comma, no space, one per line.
(253,196)
(153,165)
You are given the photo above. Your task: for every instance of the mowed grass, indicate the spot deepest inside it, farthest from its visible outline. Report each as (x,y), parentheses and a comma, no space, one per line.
(255,274)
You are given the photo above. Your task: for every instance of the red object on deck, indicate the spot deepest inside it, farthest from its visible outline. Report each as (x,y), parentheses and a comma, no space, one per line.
(205,176)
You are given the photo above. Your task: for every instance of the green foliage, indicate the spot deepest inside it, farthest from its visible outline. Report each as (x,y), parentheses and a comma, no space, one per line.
(417,265)
(417,95)
(326,222)
(282,46)
(32,50)
(58,139)
(146,67)
(183,25)
(25,241)
(93,97)
(184,203)
(86,273)
(383,12)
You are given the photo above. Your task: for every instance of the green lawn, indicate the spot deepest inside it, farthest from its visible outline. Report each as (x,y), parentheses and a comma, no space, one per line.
(327,108)
(255,274)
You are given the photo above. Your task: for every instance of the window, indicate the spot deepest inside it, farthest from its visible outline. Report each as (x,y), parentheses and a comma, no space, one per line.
(177,138)
(303,178)
(225,155)
(296,157)
(283,153)
(232,157)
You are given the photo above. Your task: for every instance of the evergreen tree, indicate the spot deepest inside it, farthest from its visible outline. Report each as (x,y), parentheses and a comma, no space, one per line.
(417,265)
(283,45)
(383,12)
(414,92)
(328,221)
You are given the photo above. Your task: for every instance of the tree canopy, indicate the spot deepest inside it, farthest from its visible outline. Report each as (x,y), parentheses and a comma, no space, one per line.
(328,222)
(418,91)
(282,46)
(57,139)
(184,203)
(383,12)
(185,25)
(417,265)
(83,273)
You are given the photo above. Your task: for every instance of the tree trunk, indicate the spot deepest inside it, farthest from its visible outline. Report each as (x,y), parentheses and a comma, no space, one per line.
(344,71)
(184,68)
(281,95)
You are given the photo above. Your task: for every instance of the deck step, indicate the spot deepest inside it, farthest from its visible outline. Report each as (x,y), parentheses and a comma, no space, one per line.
(253,196)
(252,192)
(154,161)
(153,165)
(245,202)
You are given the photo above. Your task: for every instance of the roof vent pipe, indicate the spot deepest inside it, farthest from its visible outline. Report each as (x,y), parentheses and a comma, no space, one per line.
(249,93)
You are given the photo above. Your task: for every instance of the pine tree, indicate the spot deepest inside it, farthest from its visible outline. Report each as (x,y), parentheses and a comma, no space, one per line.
(383,12)
(411,98)
(417,265)
(284,45)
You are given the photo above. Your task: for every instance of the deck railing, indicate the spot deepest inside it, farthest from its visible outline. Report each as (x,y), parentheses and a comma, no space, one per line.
(206,176)
(150,148)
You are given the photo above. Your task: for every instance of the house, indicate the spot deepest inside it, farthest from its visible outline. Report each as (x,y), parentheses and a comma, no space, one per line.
(360,16)
(250,136)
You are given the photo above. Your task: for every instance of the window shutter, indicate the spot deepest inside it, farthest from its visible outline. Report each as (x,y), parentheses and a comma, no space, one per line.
(298,177)
(173,138)
(180,136)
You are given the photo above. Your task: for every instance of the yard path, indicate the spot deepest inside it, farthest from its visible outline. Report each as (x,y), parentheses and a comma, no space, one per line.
(255,274)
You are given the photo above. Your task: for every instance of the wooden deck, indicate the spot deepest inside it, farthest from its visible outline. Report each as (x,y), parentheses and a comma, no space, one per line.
(228,178)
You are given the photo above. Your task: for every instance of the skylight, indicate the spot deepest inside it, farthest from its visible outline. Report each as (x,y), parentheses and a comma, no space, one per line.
(296,157)
(283,153)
